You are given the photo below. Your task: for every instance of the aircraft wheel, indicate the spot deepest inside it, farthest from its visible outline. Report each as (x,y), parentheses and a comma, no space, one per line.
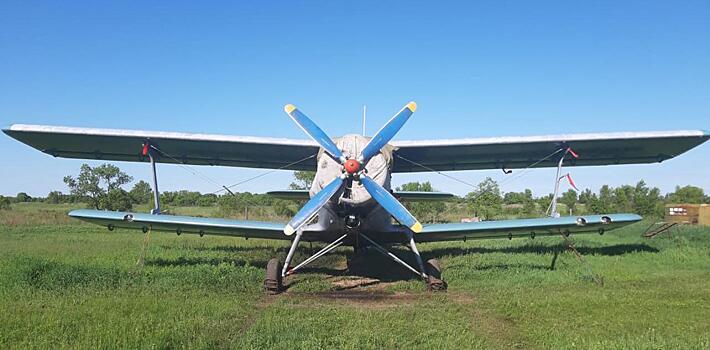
(435,283)
(273,283)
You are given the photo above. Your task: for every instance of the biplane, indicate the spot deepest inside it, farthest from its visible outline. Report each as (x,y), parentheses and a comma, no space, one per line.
(351,201)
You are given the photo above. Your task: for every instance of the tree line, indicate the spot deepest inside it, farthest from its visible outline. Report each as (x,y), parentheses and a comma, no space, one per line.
(102,187)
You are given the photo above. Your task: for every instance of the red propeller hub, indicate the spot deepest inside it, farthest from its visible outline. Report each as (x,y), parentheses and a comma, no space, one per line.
(352,166)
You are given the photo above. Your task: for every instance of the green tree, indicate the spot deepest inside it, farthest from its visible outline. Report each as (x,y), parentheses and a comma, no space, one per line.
(687,194)
(569,199)
(23,197)
(426,211)
(117,199)
(602,204)
(112,176)
(4,203)
(585,197)
(54,197)
(523,202)
(285,208)
(93,184)
(486,201)
(647,201)
(186,198)
(623,199)
(544,202)
(529,207)
(516,197)
(141,192)
(302,180)
(207,200)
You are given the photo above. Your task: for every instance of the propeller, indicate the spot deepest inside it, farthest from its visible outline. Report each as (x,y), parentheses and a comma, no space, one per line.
(353,169)
(316,133)
(387,132)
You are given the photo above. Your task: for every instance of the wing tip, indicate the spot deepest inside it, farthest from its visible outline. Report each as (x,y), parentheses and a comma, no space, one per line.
(289,108)
(412,106)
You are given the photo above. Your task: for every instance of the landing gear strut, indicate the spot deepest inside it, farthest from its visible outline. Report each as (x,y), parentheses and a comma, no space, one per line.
(431,274)
(275,272)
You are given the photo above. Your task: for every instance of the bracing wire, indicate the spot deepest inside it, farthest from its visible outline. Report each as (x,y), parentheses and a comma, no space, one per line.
(222,187)
(187,168)
(226,188)
(507,180)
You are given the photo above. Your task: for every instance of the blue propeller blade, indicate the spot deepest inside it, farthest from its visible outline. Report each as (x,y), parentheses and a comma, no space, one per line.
(387,132)
(391,204)
(316,133)
(312,206)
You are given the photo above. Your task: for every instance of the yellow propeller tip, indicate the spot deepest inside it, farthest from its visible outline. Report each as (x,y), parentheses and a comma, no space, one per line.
(416,228)
(289,108)
(288,230)
(412,106)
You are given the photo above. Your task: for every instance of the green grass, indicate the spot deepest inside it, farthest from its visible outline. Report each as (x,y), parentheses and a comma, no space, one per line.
(74,285)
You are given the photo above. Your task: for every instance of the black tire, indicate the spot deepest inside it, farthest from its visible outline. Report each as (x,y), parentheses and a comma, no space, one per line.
(435,283)
(273,283)
(433,268)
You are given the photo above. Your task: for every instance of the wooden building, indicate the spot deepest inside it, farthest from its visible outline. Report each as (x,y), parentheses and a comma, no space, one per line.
(694,214)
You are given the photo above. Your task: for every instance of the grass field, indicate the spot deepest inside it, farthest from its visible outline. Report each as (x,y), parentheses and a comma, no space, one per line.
(65,284)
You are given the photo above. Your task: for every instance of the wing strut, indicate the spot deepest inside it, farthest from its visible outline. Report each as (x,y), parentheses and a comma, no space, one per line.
(149,150)
(553,202)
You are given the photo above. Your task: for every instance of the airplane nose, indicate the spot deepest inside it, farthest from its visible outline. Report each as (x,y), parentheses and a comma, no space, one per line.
(352,166)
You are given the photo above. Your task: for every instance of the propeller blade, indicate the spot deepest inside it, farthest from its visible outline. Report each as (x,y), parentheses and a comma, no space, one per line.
(310,209)
(316,133)
(391,204)
(387,132)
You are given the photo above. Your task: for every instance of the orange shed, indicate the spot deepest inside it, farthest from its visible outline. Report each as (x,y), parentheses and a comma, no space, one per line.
(694,214)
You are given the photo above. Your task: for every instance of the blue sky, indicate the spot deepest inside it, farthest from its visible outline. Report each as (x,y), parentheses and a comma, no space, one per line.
(493,68)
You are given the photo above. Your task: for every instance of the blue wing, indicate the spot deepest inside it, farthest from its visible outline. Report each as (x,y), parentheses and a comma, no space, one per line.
(410,156)
(513,152)
(430,233)
(525,227)
(188,224)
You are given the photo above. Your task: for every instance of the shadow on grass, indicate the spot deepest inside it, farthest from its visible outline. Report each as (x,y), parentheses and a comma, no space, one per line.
(612,250)
(231,249)
(183,261)
(369,264)
(515,266)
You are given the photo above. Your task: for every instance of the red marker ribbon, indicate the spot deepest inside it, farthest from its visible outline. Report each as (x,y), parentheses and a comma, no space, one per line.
(571,182)
(572,152)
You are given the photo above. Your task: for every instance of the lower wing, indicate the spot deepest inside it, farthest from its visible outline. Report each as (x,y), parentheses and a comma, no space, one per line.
(525,227)
(184,224)
(431,233)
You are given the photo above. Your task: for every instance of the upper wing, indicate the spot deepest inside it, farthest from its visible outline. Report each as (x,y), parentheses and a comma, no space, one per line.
(200,149)
(525,227)
(523,151)
(410,156)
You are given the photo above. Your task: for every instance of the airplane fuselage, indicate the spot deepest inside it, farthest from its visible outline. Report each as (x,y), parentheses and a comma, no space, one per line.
(353,208)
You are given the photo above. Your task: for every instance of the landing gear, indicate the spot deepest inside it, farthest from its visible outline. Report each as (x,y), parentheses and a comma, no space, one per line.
(273,283)
(276,272)
(434,283)
(431,273)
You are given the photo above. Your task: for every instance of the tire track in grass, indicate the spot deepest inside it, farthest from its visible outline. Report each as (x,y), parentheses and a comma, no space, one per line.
(259,308)
(499,330)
